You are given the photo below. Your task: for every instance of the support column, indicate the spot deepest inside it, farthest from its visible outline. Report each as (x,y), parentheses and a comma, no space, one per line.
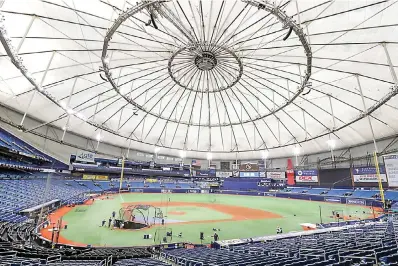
(68,110)
(375,154)
(391,66)
(25,34)
(305,125)
(34,92)
(365,113)
(332,111)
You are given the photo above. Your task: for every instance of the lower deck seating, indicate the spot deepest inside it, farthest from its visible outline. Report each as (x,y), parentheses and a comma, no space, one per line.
(363,245)
(141,262)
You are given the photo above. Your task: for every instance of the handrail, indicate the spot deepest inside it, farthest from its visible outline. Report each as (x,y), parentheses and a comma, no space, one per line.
(357,257)
(109,261)
(312,255)
(8,253)
(53,258)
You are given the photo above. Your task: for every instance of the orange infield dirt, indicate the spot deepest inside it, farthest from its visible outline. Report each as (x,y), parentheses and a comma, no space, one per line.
(238,213)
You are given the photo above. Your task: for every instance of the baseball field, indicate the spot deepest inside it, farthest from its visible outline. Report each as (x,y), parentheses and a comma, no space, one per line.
(187,215)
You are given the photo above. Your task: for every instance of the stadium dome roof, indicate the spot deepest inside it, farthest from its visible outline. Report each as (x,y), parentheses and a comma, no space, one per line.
(200,76)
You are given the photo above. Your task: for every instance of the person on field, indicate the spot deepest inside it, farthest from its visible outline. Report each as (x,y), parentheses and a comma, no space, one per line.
(103,223)
(215,237)
(113,214)
(109,222)
(279,230)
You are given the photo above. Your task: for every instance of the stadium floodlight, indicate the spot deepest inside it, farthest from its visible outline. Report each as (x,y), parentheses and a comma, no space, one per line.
(70,111)
(209,156)
(182,154)
(63,104)
(81,116)
(265,154)
(157,149)
(331,143)
(98,137)
(296,150)
(123,90)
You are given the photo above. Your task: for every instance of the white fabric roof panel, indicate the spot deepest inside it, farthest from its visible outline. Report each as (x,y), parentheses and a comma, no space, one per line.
(225,91)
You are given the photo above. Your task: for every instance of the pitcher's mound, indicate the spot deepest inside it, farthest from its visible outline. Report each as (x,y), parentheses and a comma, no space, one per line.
(176,212)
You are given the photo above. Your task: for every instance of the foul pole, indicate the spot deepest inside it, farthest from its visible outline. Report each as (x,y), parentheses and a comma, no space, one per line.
(379,179)
(121,176)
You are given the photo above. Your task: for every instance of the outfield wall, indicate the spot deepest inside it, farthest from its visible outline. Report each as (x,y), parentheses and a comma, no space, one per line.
(325,198)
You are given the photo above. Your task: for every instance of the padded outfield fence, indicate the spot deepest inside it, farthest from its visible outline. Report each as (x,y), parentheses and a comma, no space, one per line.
(334,199)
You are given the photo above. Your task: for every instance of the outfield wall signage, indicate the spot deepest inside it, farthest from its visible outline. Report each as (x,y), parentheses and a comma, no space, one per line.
(95,177)
(249,174)
(306,176)
(205,173)
(356,201)
(391,164)
(84,156)
(206,179)
(368,174)
(223,174)
(330,199)
(276,175)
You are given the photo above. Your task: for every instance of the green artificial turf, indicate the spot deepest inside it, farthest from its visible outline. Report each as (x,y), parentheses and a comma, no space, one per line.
(84,221)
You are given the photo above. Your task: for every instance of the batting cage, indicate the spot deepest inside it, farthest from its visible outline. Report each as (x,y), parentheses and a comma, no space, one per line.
(140,216)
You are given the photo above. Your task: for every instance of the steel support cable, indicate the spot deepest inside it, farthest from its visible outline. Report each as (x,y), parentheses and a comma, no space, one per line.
(334,14)
(200,111)
(347,104)
(237,115)
(325,83)
(173,110)
(266,124)
(226,110)
(281,109)
(149,112)
(247,112)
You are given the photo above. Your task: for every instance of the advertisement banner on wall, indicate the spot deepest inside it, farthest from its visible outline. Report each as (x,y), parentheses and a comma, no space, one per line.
(276,175)
(85,156)
(206,179)
(89,177)
(95,177)
(290,172)
(249,174)
(368,174)
(356,201)
(210,172)
(223,174)
(331,199)
(391,164)
(306,176)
